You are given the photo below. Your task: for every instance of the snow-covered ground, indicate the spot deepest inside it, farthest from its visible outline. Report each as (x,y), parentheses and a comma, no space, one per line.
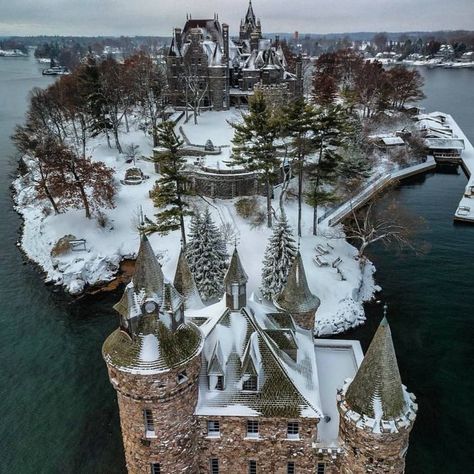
(342,294)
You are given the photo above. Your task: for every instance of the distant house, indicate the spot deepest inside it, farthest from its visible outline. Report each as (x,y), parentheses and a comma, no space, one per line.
(445,149)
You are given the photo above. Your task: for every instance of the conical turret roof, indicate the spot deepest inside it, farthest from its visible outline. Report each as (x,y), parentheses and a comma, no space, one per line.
(376,390)
(185,284)
(296,296)
(235,272)
(148,274)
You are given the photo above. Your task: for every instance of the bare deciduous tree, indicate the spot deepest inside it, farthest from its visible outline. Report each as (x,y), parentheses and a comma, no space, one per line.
(387,223)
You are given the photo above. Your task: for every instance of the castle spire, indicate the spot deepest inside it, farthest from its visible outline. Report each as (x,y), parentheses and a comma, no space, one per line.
(185,284)
(235,282)
(376,390)
(148,274)
(296,296)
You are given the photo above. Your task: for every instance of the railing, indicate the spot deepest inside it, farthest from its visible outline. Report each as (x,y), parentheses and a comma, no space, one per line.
(372,186)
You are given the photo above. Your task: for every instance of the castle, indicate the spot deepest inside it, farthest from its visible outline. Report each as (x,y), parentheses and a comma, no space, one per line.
(204,60)
(242,386)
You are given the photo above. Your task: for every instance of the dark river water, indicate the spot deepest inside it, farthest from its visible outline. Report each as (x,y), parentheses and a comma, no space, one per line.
(58,412)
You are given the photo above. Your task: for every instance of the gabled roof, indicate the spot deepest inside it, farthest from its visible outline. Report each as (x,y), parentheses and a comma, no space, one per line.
(235,272)
(285,388)
(296,296)
(376,390)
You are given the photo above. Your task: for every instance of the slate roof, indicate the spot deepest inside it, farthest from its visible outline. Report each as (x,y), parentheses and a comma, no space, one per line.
(285,389)
(150,339)
(148,273)
(377,384)
(235,272)
(184,282)
(296,296)
(156,352)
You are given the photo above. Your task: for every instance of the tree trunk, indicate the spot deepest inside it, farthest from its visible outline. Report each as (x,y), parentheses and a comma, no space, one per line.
(117,142)
(126,121)
(82,191)
(269,200)
(315,220)
(300,193)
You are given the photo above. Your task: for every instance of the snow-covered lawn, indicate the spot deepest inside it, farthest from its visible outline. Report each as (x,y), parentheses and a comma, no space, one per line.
(341,300)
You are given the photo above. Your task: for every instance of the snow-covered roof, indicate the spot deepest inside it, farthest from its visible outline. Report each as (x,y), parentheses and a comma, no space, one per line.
(296,296)
(392,141)
(251,342)
(445,143)
(376,390)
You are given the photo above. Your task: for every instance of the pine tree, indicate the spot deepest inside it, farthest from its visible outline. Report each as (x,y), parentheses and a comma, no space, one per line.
(332,130)
(254,144)
(353,169)
(277,260)
(207,256)
(298,120)
(168,194)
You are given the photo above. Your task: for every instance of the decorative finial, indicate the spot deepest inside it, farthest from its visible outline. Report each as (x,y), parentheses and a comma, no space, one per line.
(141,225)
(385,308)
(299,243)
(235,243)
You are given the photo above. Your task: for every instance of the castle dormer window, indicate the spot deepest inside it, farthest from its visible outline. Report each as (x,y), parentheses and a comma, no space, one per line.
(250,383)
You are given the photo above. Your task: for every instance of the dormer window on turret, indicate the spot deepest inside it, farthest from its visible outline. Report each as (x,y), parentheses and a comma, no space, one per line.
(215,369)
(250,383)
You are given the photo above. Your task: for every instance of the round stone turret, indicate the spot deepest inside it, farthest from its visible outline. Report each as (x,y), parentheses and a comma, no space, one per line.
(153,360)
(376,412)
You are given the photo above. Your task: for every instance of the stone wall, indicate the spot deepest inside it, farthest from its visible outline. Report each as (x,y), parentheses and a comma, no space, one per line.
(172,406)
(367,452)
(272,450)
(305,320)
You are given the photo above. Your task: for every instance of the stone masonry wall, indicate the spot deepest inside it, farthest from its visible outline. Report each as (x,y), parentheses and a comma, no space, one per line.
(367,452)
(272,450)
(172,405)
(305,320)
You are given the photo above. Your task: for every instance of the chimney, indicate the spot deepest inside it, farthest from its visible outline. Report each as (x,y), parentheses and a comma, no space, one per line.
(225,34)
(177,36)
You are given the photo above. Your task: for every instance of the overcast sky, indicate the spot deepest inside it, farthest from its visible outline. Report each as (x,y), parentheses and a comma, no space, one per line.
(158,17)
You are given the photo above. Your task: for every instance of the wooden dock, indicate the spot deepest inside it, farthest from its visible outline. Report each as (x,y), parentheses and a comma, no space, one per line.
(465,209)
(375,185)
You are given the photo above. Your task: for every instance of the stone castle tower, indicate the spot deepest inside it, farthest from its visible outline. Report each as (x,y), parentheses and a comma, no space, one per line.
(376,412)
(153,360)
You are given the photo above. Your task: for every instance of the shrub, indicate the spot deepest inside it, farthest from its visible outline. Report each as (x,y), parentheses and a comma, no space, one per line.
(247,207)
(62,246)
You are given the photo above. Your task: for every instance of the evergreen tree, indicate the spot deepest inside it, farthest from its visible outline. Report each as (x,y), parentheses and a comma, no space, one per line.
(277,260)
(297,123)
(353,168)
(168,194)
(332,130)
(254,144)
(207,256)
